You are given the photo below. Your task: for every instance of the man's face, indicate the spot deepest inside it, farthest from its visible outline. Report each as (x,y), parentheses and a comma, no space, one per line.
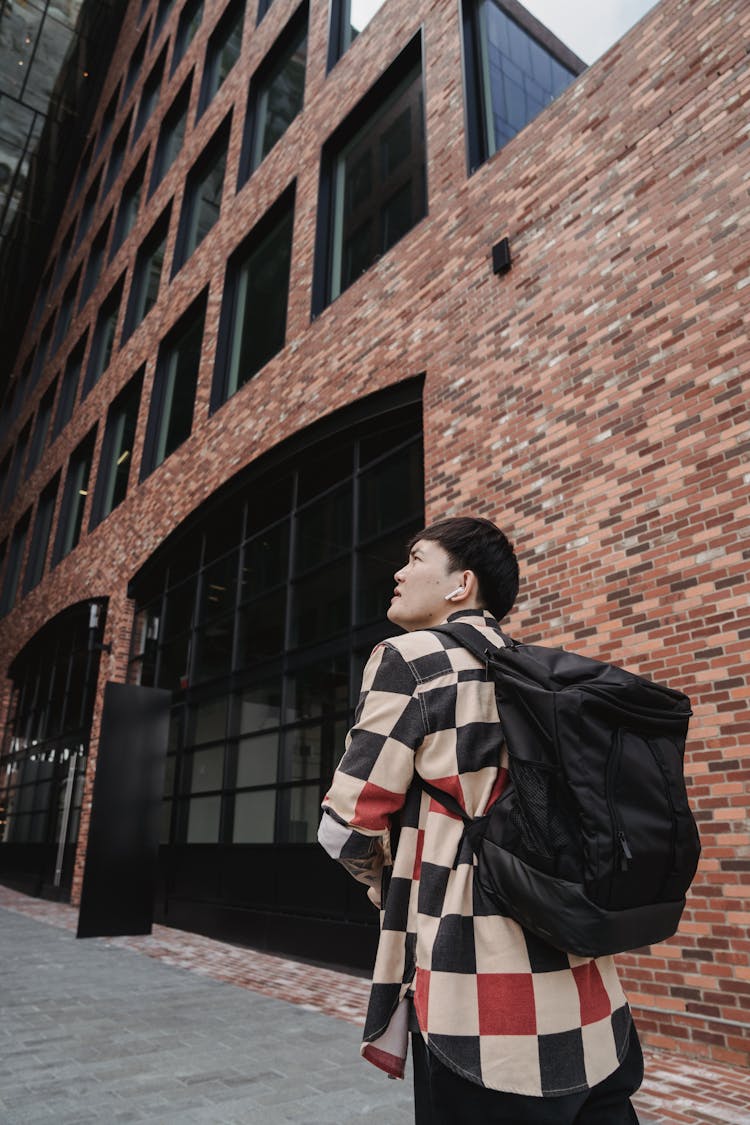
(421,586)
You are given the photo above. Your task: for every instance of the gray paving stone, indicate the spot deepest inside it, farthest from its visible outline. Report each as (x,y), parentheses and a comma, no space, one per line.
(90,1032)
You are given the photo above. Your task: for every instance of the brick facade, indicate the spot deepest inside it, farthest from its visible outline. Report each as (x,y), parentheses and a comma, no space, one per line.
(590,400)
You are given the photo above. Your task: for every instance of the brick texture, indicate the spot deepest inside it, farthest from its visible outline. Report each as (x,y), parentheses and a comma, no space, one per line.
(593,400)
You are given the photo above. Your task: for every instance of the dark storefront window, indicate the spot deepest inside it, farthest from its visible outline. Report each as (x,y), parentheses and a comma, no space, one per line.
(117,451)
(259,621)
(510,77)
(43,753)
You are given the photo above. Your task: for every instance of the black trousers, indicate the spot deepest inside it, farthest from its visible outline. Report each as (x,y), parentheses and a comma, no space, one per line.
(444,1098)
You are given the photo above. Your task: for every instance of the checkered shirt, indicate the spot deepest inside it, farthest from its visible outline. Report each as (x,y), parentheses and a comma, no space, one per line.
(494,1003)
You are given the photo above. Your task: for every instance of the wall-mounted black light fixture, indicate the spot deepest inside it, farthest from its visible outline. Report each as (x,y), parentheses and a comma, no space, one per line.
(501,261)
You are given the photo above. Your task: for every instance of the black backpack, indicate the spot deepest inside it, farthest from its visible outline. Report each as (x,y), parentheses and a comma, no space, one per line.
(592,846)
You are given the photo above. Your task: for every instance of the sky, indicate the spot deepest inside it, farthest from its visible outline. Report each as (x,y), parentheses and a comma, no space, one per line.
(588,27)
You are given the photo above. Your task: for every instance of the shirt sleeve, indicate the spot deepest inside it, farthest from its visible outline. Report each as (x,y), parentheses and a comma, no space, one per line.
(374,775)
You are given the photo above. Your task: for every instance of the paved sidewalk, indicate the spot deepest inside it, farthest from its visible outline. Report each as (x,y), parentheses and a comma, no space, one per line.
(201,1031)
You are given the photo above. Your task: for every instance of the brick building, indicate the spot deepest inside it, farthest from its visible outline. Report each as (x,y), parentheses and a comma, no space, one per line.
(271,337)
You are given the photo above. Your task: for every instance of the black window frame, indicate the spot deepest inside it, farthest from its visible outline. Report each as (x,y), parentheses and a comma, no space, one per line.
(129,205)
(218,40)
(117,154)
(368,110)
(88,209)
(96,258)
(18,460)
(120,429)
(339,38)
(40,537)
(175,118)
(42,423)
(65,314)
(150,94)
(13,568)
(96,367)
(75,495)
(186,30)
(215,151)
(69,385)
(160,414)
(286,45)
(283,210)
(140,282)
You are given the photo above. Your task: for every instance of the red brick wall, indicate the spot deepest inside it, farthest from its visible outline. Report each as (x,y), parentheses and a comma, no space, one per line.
(591,400)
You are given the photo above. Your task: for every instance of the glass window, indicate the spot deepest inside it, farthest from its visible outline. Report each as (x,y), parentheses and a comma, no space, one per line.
(299,815)
(66,309)
(263,6)
(31,376)
(117,156)
(74,498)
(259,707)
(95,261)
(103,341)
(171,134)
(144,289)
(13,566)
(205,770)
(63,254)
(204,814)
(223,51)
(210,722)
(14,474)
(377,182)
(149,95)
(510,77)
(127,212)
(41,428)
(202,200)
(107,122)
(162,11)
(173,397)
(348,19)
(136,62)
(190,20)
(254,817)
(40,538)
(255,302)
(87,211)
(265,561)
(276,93)
(69,386)
(117,451)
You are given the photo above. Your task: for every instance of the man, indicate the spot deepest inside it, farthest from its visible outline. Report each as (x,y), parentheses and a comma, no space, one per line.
(504,1027)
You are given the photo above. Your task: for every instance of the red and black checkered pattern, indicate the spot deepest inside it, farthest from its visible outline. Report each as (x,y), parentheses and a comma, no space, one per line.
(493,1002)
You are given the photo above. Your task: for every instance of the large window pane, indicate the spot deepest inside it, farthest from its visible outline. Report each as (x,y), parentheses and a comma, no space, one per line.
(261,629)
(321,604)
(117,450)
(104,337)
(277,93)
(147,274)
(254,817)
(324,530)
(202,200)
(223,51)
(203,820)
(299,815)
(74,497)
(257,760)
(205,769)
(265,561)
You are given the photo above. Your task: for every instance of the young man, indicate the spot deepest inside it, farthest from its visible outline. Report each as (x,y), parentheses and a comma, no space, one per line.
(504,1027)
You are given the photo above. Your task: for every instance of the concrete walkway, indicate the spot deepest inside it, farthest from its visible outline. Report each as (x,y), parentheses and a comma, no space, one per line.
(176,1027)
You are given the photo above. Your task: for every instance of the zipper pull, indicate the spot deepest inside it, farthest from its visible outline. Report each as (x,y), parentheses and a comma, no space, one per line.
(625,849)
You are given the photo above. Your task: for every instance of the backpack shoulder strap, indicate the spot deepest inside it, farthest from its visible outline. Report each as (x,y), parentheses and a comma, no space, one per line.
(445,799)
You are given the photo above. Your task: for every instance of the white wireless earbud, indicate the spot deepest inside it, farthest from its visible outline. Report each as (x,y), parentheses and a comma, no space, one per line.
(454,593)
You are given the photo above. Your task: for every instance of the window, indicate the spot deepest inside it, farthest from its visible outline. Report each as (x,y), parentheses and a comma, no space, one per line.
(40,538)
(66,309)
(348,19)
(74,498)
(69,386)
(4,471)
(14,474)
(149,95)
(15,561)
(33,373)
(202,200)
(136,62)
(256,290)
(95,261)
(41,300)
(373,188)
(127,212)
(83,168)
(144,289)
(104,337)
(163,10)
(190,20)
(222,52)
(41,428)
(173,398)
(171,135)
(107,122)
(260,618)
(276,94)
(510,77)
(117,156)
(263,6)
(87,211)
(63,254)
(117,451)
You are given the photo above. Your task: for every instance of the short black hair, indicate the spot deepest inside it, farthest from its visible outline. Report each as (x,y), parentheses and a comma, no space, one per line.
(473,543)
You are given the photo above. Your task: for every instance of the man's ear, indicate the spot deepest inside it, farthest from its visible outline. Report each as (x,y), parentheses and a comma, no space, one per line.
(470,595)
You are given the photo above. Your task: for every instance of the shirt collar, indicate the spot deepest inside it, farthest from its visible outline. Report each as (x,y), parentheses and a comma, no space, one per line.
(474,616)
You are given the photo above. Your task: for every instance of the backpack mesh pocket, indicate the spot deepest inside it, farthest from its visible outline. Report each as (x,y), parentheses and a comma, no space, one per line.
(536,810)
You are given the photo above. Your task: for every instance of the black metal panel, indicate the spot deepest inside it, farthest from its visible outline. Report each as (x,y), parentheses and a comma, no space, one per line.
(120,874)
